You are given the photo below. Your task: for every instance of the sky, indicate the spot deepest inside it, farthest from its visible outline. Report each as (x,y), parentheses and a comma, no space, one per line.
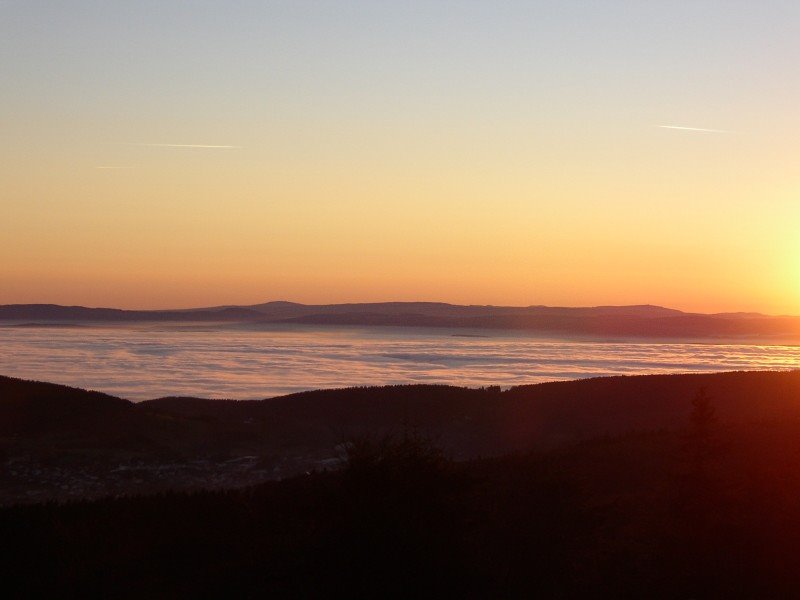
(175,154)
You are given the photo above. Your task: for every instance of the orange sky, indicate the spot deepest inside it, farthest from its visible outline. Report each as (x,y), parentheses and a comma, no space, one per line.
(473,155)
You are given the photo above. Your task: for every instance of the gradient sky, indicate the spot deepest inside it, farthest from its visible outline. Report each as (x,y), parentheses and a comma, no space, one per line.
(470,152)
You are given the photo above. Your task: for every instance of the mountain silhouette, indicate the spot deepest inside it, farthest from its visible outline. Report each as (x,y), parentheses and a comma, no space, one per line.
(600,321)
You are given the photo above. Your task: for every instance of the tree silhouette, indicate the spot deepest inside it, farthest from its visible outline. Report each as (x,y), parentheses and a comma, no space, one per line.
(700,438)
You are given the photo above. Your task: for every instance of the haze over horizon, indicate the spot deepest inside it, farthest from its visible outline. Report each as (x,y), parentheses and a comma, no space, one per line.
(167,155)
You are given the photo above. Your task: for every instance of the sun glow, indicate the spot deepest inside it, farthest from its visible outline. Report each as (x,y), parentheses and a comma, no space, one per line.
(334,168)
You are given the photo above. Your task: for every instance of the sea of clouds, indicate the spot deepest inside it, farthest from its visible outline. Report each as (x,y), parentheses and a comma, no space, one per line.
(149,361)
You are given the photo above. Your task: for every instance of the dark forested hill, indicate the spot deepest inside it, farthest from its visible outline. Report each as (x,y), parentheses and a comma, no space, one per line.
(63,427)
(612,487)
(519,418)
(705,508)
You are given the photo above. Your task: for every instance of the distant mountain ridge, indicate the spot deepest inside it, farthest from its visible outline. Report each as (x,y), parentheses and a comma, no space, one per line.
(598,321)
(57,312)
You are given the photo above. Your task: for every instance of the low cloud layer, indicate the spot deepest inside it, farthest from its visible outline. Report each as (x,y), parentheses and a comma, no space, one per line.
(143,362)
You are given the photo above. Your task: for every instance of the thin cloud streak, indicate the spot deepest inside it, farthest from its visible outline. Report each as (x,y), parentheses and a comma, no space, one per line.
(700,129)
(204,146)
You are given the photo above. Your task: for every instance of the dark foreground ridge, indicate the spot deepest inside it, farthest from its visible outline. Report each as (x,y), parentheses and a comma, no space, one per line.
(681,486)
(58,442)
(598,321)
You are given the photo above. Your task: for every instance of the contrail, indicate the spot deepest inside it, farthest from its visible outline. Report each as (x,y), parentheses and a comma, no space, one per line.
(209,146)
(694,129)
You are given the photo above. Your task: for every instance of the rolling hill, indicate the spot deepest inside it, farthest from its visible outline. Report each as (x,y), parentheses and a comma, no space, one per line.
(44,424)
